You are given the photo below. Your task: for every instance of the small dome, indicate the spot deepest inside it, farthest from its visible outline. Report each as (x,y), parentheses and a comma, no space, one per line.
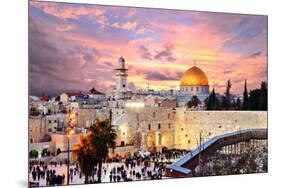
(194,77)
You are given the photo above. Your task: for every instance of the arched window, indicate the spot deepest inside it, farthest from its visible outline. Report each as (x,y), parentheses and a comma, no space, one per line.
(149,127)
(159,126)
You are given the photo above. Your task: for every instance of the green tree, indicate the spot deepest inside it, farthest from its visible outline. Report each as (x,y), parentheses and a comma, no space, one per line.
(45,152)
(84,153)
(226,100)
(102,137)
(212,101)
(33,154)
(194,102)
(245,97)
(254,99)
(238,104)
(263,96)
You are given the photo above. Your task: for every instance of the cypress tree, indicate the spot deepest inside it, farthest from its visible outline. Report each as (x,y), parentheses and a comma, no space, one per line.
(245,97)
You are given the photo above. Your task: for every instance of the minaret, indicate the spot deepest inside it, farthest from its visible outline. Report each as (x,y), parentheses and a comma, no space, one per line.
(121,74)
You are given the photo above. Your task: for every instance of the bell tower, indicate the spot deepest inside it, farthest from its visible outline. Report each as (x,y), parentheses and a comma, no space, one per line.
(121,74)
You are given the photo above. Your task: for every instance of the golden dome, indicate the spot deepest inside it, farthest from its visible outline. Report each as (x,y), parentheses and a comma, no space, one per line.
(194,77)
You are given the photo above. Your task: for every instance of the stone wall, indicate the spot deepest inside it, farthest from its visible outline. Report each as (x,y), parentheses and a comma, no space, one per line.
(189,124)
(152,128)
(146,124)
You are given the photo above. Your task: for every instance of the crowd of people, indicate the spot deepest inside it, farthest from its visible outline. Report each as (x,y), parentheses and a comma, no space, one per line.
(140,166)
(41,171)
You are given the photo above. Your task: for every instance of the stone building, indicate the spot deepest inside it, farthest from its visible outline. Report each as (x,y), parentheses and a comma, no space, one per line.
(152,128)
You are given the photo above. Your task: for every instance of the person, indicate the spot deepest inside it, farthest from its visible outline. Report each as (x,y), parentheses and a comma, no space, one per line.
(71,177)
(118,178)
(63,177)
(110,178)
(34,175)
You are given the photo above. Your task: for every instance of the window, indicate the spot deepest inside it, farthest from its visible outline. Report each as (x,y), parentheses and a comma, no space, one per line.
(149,127)
(189,141)
(219,126)
(169,125)
(186,136)
(182,129)
(124,85)
(197,88)
(50,121)
(137,117)
(123,133)
(210,133)
(169,116)
(31,140)
(50,130)
(154,114)
(159,126)
(55,121)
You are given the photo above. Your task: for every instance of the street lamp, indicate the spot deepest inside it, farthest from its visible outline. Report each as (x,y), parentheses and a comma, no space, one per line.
(69,133)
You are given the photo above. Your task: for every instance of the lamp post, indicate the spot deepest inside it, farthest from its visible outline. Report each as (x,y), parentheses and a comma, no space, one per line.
(70,132)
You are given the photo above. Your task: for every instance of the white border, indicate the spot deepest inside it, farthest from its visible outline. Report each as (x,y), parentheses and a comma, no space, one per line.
(13,95)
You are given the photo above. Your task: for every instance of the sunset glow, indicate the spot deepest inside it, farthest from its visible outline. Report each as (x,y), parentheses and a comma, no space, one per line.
(74,47)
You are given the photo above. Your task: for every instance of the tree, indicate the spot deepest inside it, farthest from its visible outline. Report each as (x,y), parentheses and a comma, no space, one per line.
(226,100)
(84,153)
(238,104)
(45,152)
(194,101)
(245,97)
(258,98)
(102,137)
(263,96)
(254,99)
(212,101)
(33,154)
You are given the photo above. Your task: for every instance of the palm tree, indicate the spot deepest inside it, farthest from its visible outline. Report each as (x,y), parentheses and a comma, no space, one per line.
(84,153)
(102,138)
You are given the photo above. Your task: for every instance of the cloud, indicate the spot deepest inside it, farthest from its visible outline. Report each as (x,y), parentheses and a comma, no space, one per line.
(165,54)
(126,26)
(145,54)
(162,76)
(255,55)
(77,46)
(65,11)
(66,27)
(141,31)
(57,66)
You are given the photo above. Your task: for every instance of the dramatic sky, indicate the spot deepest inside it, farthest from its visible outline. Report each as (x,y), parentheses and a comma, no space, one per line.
(74,47)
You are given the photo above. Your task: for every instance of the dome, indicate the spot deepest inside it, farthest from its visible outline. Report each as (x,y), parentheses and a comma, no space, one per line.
(194,77)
